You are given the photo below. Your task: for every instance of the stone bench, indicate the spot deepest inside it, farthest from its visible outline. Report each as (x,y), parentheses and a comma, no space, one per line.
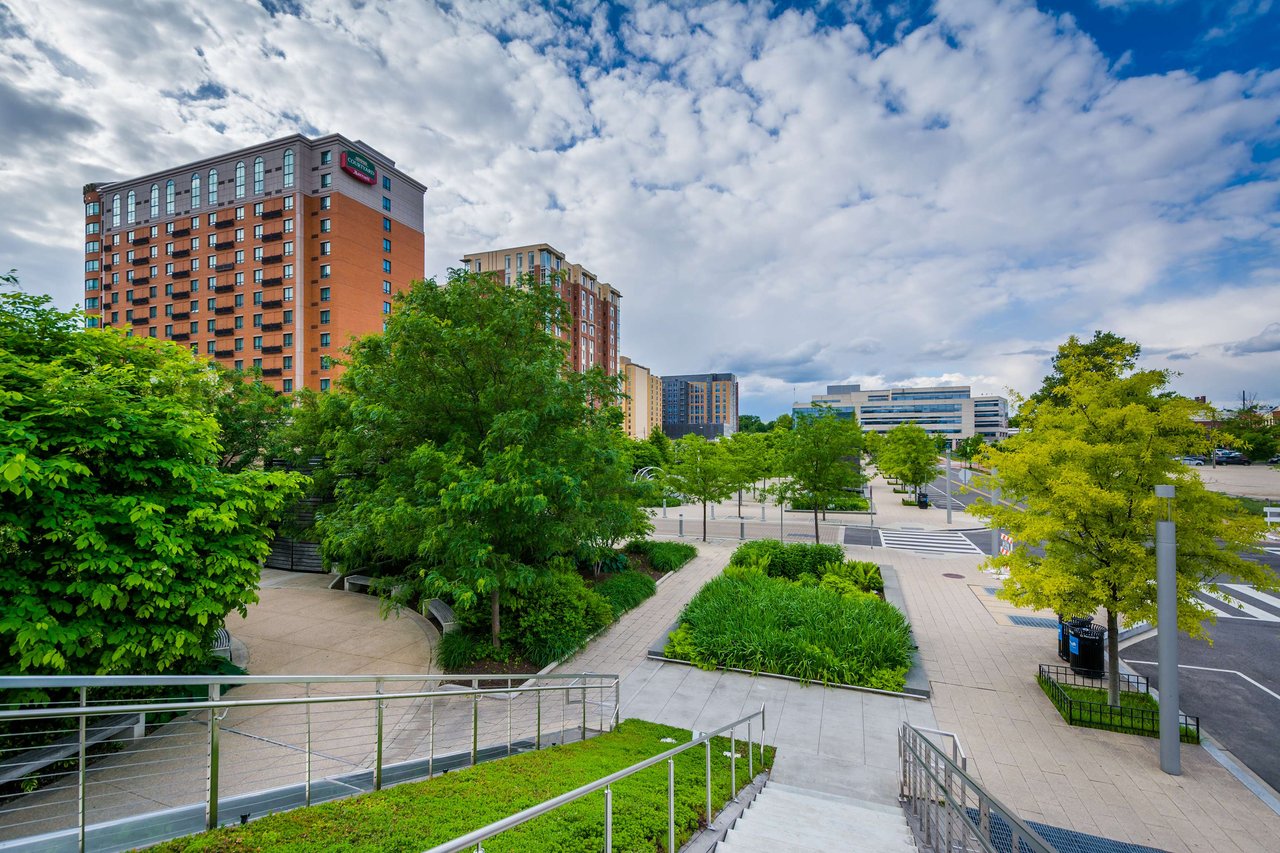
(97,730)
(357,583)
(1271,514)
(443,614)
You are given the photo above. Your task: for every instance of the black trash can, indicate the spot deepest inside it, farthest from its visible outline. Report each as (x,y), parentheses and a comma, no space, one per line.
(1064,633)
(922,499)
(1087,650)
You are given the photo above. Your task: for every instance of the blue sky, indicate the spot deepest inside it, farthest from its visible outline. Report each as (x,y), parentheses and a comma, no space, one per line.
(886,193)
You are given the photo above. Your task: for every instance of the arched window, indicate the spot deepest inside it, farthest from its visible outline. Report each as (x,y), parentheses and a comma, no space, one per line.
(155,200)
(240,179)
(213,187)
(288,167)
(131,206)
(168,197)
(115,211)
(195,190)
(258,172)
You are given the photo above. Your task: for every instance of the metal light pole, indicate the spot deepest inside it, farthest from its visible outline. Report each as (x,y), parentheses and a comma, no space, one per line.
(995,499)
(948,483)
(1167,640)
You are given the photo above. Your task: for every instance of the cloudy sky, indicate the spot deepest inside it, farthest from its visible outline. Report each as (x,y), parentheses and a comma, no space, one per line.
(885,193)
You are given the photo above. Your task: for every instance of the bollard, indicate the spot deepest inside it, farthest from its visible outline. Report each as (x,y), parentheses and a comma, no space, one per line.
(713,512)
(664,507)
(682,524)
(742,530)
(762,512)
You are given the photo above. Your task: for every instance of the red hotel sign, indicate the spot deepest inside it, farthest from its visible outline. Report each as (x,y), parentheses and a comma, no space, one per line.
(359,167)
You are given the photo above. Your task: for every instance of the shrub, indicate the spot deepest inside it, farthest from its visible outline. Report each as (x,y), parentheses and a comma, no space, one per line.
(863,574)
(844,587)
(790,560)
(625,590)
(663,556)
(602,560)
(766,624)
(842,503)
(556,616)
(459,649)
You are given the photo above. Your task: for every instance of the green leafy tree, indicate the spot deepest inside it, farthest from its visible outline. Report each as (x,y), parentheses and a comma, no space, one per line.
(661,445)
(1107,354)
(907,453)
(1083,484)
(1251,432)
(820,459)
(749,453)
(468,460)
(968,448)
(701,471)
(123,545)
(783,422)
(750,423)
(610,492)
(249,413)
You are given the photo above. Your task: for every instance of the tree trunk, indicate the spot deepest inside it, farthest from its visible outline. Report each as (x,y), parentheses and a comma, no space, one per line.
(1113,659)
(704,521)
(739,503)
(816,540)
(495,619)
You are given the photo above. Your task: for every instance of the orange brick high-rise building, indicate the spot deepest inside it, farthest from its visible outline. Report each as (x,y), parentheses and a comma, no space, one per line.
(273,256)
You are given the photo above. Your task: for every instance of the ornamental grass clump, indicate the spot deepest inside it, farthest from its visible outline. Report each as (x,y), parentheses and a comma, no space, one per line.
(748,620)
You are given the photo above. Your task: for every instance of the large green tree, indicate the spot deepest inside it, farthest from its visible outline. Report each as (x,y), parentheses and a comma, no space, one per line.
(701,471)
(1080,484)
(909,454)
(249,413)
(123,545)
(468,459)
(820,459)
(1106,354)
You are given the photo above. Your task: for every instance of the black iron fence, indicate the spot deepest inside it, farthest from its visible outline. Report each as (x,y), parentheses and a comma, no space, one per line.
(1137,712)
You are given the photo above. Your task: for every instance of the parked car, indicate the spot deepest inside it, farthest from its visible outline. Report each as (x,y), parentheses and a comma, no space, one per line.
(1274,460)
(1194,461)
(1231,457)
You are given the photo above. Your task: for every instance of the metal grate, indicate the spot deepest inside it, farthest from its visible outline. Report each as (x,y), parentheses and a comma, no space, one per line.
(991,590)
(1034,622)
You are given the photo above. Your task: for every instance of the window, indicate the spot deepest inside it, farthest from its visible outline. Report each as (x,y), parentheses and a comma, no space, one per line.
(386,182)
(239,256)
(259,170)
(195,328)
(169,188)
(115,211)
(195,306)
(154,231)
(257,341)
(288,248)
(325,247)
(324,339)
(324,294)
(92,246)
(324,270)
(239,364)
(257,275)
(155,201)
(257,254)
(386,308)
(288,339)
(209,347)
(324,384)
(287,385)
(288,203)
(91,302)
(326,180)
(324,202)
(386,203)
(288,362)
(239,344)
(211,324)
(240,179)
(239,301)
(213,218)
(115,316)
(326,157)
(195,264)
(386,224)
(257,297)
(168,249)
(288,317)
(91,284)
(240,214)
(386,245)
(128,314)
(93,208)
(325,225)
(257,321)
(258,208)
(168,269)
(92,227)
(288,271)
(239,279)
(239,235)
(195,190)
(288,167)
(386,287)
(324,318)
(131,209)
(287,296)
(213,261)
(152,312)
(213,303)
(257,362)
(91,266)
(386,265)
(213,187)
(324,362)
(288,226)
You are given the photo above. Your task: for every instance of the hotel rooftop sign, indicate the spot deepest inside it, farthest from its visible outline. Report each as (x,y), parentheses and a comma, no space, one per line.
(359,167)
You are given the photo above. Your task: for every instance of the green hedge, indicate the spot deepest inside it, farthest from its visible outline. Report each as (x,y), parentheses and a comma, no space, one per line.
(788,560)
(663,556)
(417,815)
(844,503)
(625,590)
(747,620)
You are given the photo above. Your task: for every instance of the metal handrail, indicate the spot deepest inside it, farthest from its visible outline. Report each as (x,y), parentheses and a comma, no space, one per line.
(499,826)
(958,755)
(15,682)
(925,797)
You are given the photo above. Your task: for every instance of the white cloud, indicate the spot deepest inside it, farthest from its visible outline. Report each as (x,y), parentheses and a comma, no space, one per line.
(761,189)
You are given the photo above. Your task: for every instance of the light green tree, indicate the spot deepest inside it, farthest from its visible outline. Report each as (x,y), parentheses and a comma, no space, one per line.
(820,459)
(123,545)
(701,471)
(968,448)
(1079,482)
(907,453)
(749,452)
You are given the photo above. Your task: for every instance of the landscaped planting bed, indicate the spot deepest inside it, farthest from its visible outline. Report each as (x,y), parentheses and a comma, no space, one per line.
(661,556)
(809,617)
(1081,705)
(419,815)
(844,503)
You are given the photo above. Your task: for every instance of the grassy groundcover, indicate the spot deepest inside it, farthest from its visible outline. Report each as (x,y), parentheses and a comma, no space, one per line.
(662,556)
(1092,711)
(764,624)
(844,503)
(419,815)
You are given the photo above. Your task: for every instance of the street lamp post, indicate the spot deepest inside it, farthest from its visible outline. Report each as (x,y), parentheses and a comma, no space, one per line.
(948,484)
(1167,642)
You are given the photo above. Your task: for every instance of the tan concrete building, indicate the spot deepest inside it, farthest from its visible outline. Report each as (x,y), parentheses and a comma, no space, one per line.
(642,407)
(595,306)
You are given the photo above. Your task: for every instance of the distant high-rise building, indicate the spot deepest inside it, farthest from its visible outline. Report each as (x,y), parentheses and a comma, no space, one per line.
(642,407)
(594,306)
(702,403)
(949,411)
(272,256)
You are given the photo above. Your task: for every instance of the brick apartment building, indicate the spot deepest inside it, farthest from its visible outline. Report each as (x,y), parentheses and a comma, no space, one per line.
(595,307)
(702,403)
(273,256)
(642,407)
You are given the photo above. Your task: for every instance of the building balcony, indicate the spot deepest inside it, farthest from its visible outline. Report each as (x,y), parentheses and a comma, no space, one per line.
(270,238)
(224,223)
(223,353)
(141,241)
(223,333)
(274,281)
(272,303)
(140,321)
(182,274)
(223,245)
(224,310)
(181,253)
(180,294)
(223,288)
(181,232)
(272,214)
(141,300)
(138,282)
(272,327)
(272,371)
(272,259)
(224,267)
(180,315)
(272,350)
(106,267)
(140,262)
(180,336)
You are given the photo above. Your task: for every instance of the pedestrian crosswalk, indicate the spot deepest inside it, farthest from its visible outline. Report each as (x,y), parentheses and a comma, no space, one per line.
(928,541)
(1241,601)
(938,497)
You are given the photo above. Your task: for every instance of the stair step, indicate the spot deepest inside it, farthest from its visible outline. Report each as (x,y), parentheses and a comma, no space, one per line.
(743,841)
(784,823)
(782,788)
(788,818)
(845,812)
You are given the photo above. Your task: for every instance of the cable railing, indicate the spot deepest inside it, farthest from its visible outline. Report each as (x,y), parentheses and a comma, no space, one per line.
(477,837)
(948,810)
(118,762)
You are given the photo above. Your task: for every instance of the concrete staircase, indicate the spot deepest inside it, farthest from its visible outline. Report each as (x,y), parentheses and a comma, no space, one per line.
(787,818)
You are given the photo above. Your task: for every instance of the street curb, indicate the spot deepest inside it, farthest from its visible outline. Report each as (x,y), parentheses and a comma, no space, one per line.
(917,677)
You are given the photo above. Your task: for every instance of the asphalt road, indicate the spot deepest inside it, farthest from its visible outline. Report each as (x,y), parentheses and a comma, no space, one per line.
(1233,686)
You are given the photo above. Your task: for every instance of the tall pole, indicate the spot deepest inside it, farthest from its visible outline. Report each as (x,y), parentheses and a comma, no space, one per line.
(1167,640)
(948,483)
(995,499)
